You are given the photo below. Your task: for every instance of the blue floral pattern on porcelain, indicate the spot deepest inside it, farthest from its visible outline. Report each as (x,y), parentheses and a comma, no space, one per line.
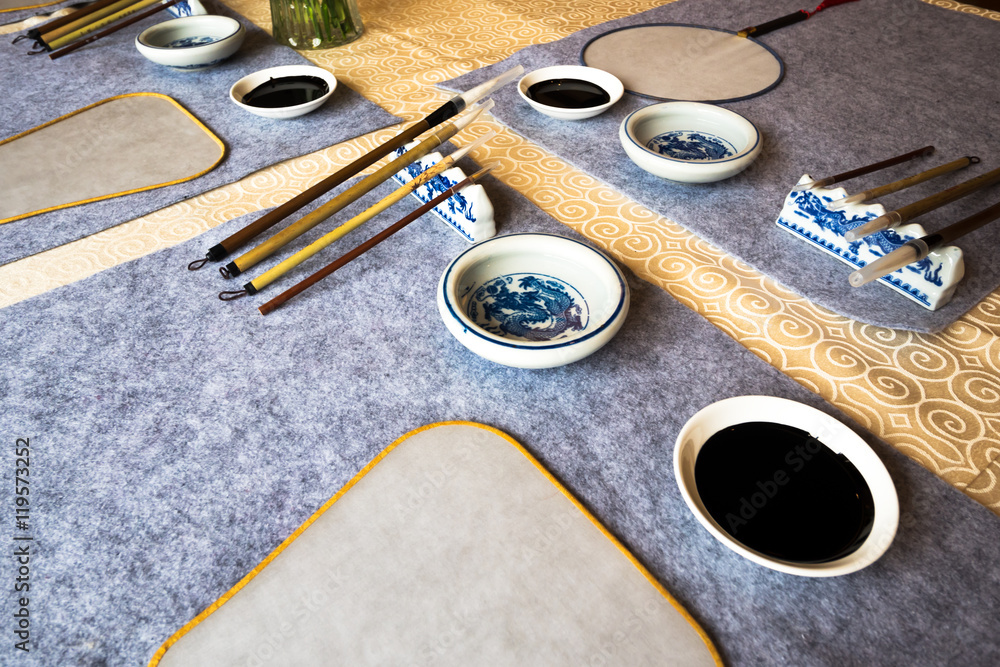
(468,212)
(190,41)
(931,282)
(692,146)
(530,307)
(186,8)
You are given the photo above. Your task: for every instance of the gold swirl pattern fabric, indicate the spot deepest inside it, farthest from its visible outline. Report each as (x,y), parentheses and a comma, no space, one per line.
(935,397)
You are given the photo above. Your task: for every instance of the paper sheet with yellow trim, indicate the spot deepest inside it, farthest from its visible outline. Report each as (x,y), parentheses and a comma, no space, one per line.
(114,147)
(453,547)
(14,5)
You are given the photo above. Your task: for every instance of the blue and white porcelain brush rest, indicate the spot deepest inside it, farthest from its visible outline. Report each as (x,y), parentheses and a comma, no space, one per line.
(469,212)
(931,282)
(187,8)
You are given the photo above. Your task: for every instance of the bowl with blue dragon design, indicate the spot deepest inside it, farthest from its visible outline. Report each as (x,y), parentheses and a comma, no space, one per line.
(191,43)
(689,142)
(533,300)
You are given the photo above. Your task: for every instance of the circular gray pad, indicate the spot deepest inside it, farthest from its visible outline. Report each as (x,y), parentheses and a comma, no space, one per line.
(685,62)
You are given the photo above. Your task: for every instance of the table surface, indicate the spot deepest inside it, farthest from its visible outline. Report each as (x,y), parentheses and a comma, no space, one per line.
(935,397)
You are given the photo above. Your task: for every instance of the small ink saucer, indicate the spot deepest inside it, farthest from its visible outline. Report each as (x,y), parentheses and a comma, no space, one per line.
(568,76)
(251,82)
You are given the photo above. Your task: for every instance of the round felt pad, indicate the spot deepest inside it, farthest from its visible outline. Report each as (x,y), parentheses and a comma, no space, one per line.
(685,62)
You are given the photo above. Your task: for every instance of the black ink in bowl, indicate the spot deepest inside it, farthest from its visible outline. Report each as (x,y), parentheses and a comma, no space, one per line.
(779,491)
(568,94)
(286,91)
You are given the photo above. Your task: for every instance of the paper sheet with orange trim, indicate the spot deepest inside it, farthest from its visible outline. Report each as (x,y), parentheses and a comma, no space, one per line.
(453,547)
(114,147)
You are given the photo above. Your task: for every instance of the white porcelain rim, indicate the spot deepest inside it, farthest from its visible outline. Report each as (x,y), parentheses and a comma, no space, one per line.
(583,72)
(786,411)
(275,72)
(204,18)
(631,119)
(474,329)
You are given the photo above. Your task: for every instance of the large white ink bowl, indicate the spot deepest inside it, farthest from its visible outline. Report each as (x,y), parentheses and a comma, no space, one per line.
(762,494)
(689,142)
(533,300)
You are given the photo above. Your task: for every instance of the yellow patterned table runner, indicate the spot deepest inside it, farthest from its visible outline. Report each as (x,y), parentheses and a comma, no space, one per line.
(936,397)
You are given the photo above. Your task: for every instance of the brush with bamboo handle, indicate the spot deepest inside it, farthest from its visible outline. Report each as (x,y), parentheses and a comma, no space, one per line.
(907,213)
(351,255)
(268,277)
(253,257)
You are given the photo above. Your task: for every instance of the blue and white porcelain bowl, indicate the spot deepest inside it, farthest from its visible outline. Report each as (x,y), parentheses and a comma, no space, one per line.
(191,43)
(689,142)
(533,300)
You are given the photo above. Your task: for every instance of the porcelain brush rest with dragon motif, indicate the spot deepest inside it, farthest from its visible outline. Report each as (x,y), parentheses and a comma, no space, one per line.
(469,212)
(931,282)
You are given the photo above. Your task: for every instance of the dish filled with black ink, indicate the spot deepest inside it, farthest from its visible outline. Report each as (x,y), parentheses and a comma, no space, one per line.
(781,492)
(286,91)
(786,486)
(568,93)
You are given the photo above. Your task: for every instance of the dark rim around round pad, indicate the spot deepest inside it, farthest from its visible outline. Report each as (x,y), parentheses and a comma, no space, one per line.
(685,63)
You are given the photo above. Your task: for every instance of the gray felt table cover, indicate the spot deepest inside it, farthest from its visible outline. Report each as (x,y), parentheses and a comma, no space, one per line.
(176,440)
(38,90)
(454,549)
(863,82)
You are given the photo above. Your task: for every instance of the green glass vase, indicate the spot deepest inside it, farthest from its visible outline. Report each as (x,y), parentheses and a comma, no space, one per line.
(315,24)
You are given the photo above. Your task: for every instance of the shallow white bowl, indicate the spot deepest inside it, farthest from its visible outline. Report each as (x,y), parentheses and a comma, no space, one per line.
(251,81)
(191,43)
(609,82)
(580,301)
(832,433)
(689,142)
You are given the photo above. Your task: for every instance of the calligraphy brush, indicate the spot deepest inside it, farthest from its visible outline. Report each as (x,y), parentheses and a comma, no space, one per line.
(918,208)
(268,277)
(449,109)
(49,26)
(114,28)
(253,257)
(351,255)
(903,183)
(789,19)
(50,34)
(915,250)
(861,171)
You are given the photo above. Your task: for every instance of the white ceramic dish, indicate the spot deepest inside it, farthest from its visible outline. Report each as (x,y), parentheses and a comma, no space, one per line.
(191,43)
(251,81)
(609,82)
(533,300)
(689,142)
(827,430)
